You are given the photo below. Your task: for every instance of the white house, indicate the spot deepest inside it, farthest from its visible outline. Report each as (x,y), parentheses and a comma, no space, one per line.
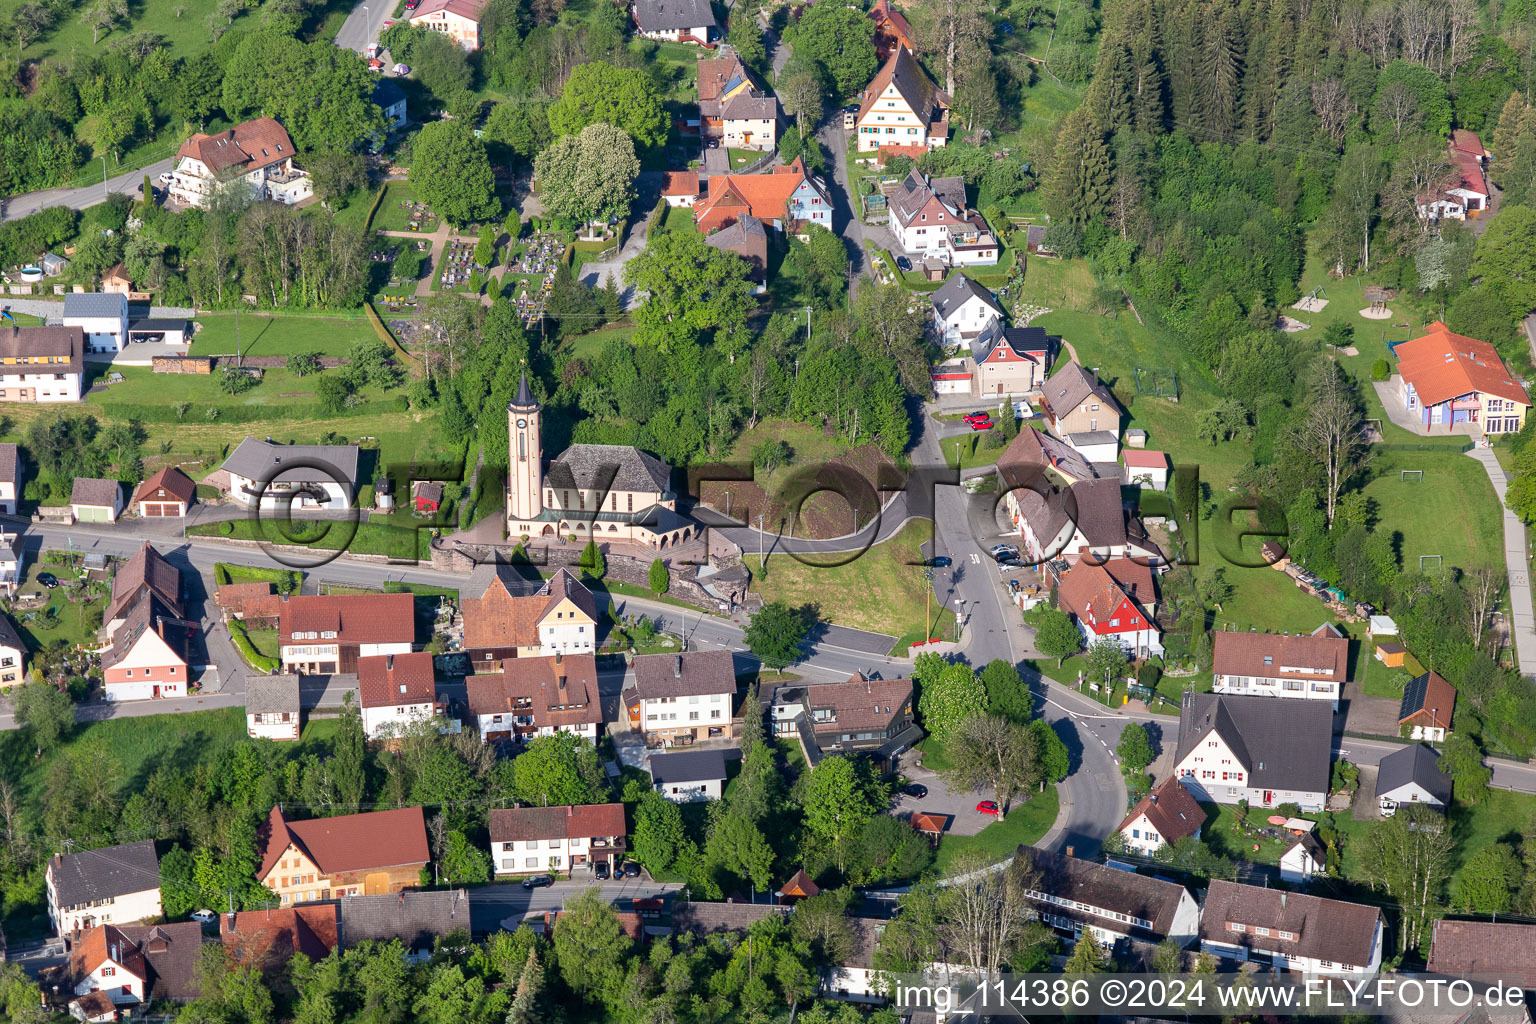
(1162,818)
(531,840)
(1428,707)
(536,696)
(390,98)
(459,20)
(1097,446)
(1114,600)
(147,655)
(41,364)
(395,691)
(1072,896)
(1313,667)
(1146,467)
(1411,775)
(326,634)
(112,885)
(273,710)
(1304,858)
(102,316)
(300,476)
(689,776)
(1266,751)
(10,477)
(1088,518)
(1290,931)
(854,977)
(13,654)
(902,108)
(134,964)
(962,309)
(257,155)
(931,221)
(511,614)
(11,555)
(683,698)
(676,21)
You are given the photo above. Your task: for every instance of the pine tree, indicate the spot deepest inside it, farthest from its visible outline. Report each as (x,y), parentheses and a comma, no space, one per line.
(529,984)
(1083,177)
(1088,957)
(1221,75)
(1109,97)
(1183,61)
(1507,134)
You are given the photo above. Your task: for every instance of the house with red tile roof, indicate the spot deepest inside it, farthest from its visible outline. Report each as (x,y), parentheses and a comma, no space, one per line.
(1310,667)
(1464,192)
(459,20)
(512,614)
(167,494)
(531,840)
(1146,466)
(1103,607)
(536,696)
(258,152)
(267,939)
(902,110)
(891,29)
(1161,818)
(680,188)
(1448,379)
(369,854)
(394,691)
(1429,702)
(784,197)
(733,108)
(132,964)
(326,634)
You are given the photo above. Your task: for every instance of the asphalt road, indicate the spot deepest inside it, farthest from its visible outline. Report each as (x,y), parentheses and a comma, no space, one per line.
(364,24)
(129,183)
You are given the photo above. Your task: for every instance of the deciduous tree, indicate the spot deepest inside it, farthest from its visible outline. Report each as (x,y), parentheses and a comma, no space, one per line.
(451,172)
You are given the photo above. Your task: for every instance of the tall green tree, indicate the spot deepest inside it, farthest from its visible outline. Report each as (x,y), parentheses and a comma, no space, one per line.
(838,803)
(1006,693)
(591,947)
(775,634)
(1078,188)
(559,769)
(948,694)
(694,288)
(599,93)
(590,176)
(45,711)
(452,173)
(841,41)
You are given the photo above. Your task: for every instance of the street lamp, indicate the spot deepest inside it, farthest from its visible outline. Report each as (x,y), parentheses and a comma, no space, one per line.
(959,616)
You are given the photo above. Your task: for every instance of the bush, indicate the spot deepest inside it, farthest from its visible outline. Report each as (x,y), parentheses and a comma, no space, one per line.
(1381,370)
(259,662)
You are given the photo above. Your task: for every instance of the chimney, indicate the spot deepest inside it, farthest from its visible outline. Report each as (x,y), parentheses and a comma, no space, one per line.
(677,667)
(1154,797)
(389,662)
(559,657)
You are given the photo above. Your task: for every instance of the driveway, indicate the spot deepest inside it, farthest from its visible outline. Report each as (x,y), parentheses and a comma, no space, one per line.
(128,183)
(1517,563)
(844,219)
(1372,716)
(959,804)
(648,192)
(364,24)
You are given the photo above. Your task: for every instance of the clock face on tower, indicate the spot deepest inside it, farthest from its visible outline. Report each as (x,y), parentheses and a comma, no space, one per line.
(521,424)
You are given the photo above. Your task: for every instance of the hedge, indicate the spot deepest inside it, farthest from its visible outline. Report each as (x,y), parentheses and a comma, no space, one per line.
(388,338)
(285,580)
(259,662)
(252,413)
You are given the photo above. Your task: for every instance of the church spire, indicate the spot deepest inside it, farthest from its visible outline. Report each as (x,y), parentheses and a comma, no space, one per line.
(524,399)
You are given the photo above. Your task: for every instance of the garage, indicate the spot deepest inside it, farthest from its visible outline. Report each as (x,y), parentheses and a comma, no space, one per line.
(162,509)
(158,330)
(166,495)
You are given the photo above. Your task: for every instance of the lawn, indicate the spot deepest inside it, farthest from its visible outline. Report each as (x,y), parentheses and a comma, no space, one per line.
(1452,511)
(591,343)
(397,541)
(391,215)
(186,35)
(741,157)
(882,589)
(972,448)
(262,334)
(61,619)
(1026,823)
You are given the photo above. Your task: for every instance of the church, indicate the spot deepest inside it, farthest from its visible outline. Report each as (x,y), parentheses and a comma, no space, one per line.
(602,492)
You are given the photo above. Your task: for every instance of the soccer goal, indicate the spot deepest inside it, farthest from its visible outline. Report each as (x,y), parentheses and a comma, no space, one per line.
(1414,476)
(1430,562)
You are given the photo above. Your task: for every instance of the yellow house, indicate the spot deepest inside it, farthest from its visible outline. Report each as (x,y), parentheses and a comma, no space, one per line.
(459,20)
(372,854)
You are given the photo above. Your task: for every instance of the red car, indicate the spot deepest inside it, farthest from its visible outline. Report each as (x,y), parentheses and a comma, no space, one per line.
(977,417)
(987,807)
(985,424)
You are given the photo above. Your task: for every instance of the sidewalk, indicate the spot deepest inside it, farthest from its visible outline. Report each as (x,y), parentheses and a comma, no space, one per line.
(1517,563)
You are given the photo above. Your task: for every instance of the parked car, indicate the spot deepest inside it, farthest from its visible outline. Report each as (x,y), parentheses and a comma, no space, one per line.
(903,263)
(917,790)
(977,417)
(631,869)
(1001,551)
(1010,565)
(402,69)
(374,64)
(411,5)
(48,579)
(985,424)
(203,916)
(987,807)
(155,336)
(938,562)
(600,869)
(166,178)
(538,881)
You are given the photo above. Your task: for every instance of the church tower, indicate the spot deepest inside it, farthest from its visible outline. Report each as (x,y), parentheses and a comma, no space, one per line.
(525,475)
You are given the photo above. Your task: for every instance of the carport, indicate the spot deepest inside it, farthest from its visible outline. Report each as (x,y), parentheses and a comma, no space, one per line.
(166,330)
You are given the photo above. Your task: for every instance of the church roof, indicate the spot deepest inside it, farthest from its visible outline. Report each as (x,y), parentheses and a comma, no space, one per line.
(609,467)
(524,399)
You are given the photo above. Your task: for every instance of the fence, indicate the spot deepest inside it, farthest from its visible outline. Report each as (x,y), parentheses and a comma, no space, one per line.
(1461,445)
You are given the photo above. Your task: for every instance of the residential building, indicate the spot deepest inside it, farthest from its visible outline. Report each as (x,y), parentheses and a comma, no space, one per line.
(10,478)
(515,616)
(298,476)
(13,653)
(676,21)
(733,109)
(931,221)
(1009,361)
(1464,192)
(135,964)
(1161,818)
(93,1008)
(1411,775)
(891,30)
(101,316)
(963,309)
(858,716)
(1033,458)
(267,939)
(528,840)
(11,555)
(250,602)
(390,98)
(1465,949)
(853,977)
(537,696)
(1074,401)
(702,920)
(1146,467)
(273,709)
(41,364)
(145,572)
(369,854)
(1428,704)
(1101,447)
(689,776)
(785,197)
(599,492)
(1303,858)
(326,634)
(1290,931)
(417,919)
(169,493)
(1099,597)
(1449,379)
(1266,751)
(1313,667)
(681,188)
(395,691)
(459,20)
(1072,896)
(94,500)
(902,110)
(683,698)
(148,652)
(112,885)
(747,237)
(1086,519)
(257,155)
